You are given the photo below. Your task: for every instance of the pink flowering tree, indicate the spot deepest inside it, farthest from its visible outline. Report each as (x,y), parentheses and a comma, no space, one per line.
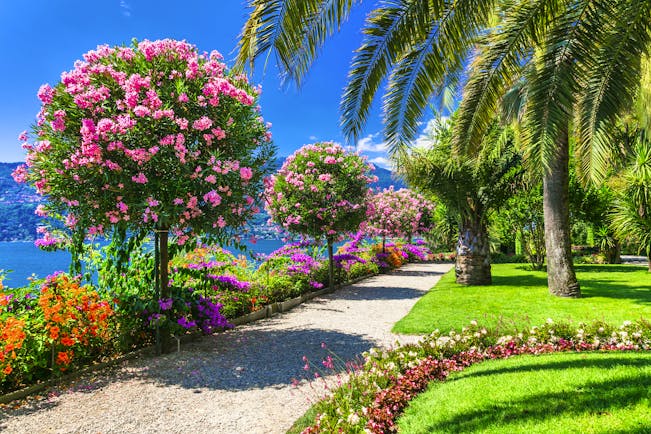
(320,191)
(149,138)
(398,213)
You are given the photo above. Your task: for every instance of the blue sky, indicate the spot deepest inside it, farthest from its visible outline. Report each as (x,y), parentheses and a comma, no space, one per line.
(41,39)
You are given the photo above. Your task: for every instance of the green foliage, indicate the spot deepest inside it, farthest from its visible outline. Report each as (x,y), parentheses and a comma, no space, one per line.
(467,186)
(519,297)
(523,214)
(631,216)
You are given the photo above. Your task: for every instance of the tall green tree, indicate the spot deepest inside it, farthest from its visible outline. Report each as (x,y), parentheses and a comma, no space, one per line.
(581,57)
(470,188)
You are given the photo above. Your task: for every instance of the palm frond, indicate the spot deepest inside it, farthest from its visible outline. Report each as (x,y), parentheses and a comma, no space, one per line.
(293,30)
(499,61)
(389,31)
(430,66)
(614,71)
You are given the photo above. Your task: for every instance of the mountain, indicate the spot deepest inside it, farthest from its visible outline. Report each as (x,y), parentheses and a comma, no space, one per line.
(18,202)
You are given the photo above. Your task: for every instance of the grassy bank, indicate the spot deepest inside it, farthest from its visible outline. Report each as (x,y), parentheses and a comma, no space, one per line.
(519,298)
(553,393)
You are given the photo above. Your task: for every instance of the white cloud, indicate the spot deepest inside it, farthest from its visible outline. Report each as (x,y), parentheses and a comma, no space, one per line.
(428,135)
(126,8)
(382,162)
(370,144)
(313,138)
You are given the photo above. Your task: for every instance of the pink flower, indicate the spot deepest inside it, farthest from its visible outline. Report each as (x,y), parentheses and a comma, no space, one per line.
(45,94)
(210,179)
(140,178)
(213,198)
(141,111)
(330,160)
(246,173)
(183,97)
(201,124)
(325,177)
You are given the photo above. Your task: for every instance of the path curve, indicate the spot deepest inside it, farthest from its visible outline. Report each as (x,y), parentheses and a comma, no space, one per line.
(233,382)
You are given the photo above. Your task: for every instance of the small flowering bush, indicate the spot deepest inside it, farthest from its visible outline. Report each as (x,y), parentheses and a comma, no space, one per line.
(320,191)
(50,326)
(380,388)
(398,213)
(291,270)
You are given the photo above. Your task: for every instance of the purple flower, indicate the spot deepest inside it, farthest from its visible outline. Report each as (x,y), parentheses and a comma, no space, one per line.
(315,284)
(232,282)
(165,304)
(183,322)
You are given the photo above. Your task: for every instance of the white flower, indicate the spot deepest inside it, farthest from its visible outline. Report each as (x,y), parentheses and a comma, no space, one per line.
(473,323)
(550,321)
(353,419)
(626,323)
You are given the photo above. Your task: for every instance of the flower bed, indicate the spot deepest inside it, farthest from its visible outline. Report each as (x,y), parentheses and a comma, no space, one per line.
(383,385)
(58,325)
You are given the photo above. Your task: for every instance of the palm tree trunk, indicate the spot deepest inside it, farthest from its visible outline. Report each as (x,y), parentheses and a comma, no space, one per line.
(561,278)
(473,265)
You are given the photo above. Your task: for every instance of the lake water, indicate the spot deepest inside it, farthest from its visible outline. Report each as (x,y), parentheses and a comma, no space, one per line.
(24,259)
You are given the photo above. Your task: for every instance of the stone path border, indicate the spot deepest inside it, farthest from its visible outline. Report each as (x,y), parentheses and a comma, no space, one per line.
(233,382)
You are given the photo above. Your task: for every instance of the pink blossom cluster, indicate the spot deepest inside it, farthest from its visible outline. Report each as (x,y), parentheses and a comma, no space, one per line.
(320,190)
(398,213)
(150,135)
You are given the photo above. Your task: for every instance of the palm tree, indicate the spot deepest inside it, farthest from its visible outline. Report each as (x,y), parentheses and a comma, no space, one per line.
(581,58)
(631,215)
(470,189)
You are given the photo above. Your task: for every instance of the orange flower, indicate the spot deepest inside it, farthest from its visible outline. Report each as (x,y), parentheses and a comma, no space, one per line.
(67,341)
(64,358)
(7,370)
(54,333)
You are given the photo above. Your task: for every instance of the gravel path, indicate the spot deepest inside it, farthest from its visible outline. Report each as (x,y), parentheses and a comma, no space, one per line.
(233,382)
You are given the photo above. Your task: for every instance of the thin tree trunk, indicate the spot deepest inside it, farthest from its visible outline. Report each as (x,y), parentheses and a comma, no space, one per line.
(473,265)
(163,273)
(561,278)
(331,266)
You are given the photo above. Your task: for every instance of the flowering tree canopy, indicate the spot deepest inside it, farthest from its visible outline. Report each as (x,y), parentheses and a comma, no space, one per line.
(320,190)
(398,213)
(152,136)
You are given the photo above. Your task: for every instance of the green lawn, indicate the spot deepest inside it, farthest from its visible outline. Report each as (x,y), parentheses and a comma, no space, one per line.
(519,298)
(553,393)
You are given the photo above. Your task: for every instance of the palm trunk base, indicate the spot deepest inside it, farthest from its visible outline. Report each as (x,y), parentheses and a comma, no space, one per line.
(473,270)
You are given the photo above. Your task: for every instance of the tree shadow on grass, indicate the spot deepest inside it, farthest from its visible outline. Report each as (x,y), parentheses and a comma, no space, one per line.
(520,280)
(598,397)
(610,362)
(597,268)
